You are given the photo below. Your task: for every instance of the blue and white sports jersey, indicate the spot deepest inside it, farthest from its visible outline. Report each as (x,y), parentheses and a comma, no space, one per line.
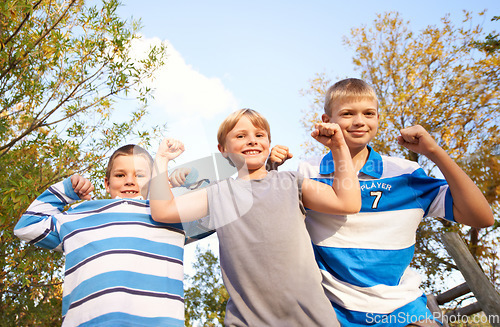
(122,267)
(365,258)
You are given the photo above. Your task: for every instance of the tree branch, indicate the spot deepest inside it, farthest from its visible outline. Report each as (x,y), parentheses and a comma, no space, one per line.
(21,25)
(11,65)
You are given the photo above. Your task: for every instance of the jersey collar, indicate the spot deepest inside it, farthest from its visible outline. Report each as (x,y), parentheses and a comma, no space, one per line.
(373,167)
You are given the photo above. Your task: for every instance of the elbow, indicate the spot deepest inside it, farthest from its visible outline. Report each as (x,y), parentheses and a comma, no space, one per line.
(481,224)
(350,209)
(354,202)
(486,222)
(157,216)
(485,217)
(353,206)
(164,218)
(18,235)
(164,215)
(353,209)
(477,220)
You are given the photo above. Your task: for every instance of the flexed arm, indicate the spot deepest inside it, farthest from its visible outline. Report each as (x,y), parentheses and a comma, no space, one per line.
(344,196)
(164,207)
(38,224)
(469,205)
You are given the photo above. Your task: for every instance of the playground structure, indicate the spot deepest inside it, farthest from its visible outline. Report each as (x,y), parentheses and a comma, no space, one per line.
(487,297)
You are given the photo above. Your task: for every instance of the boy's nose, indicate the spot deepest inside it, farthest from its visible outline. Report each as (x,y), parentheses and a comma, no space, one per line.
(358,120)
(130,180)
(252,140)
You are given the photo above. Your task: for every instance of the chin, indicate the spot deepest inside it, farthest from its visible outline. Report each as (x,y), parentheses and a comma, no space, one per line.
(357,144)
(129,196)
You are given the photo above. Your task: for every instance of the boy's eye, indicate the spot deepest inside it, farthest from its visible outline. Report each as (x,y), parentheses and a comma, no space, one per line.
(119,175)
(240,136)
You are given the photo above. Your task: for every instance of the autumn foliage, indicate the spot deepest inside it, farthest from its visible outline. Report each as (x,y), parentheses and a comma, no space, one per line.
(62,64)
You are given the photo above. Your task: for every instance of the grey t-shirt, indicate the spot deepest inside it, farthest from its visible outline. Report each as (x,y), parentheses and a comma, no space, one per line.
(266,254)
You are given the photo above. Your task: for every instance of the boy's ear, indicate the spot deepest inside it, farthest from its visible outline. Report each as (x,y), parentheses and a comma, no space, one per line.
(106,184)
(325,118)
(222,150)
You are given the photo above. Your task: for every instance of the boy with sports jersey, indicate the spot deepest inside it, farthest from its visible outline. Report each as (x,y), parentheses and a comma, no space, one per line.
(122,267)
(365,258)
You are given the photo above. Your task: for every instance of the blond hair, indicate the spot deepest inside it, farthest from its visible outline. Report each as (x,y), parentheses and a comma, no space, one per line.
(348,90)
(228,124)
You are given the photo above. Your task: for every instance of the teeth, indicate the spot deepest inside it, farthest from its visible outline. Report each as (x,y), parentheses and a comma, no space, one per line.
(251,152)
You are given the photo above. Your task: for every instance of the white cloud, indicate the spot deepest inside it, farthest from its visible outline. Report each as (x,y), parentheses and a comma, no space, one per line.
(181,91)
(190,100)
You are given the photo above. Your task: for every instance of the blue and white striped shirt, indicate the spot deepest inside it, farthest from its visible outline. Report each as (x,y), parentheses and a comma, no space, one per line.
(365,258)
(122,267)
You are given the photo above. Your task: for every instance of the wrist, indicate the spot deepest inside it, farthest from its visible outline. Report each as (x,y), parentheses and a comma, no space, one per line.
(340,150)
(161,159)
(436,155)
(160,164)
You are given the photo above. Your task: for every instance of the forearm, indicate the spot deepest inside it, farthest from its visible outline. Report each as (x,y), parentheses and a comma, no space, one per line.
(346,183)
(38,222)
(469,205)
(161,199)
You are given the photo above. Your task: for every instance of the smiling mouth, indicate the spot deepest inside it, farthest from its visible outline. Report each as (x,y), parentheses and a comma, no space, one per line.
(358,132)
(251,152)
(130,192)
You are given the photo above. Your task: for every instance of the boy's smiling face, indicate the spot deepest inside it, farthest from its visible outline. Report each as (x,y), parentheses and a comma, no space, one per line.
(247,144)
(358,121)
(129,178)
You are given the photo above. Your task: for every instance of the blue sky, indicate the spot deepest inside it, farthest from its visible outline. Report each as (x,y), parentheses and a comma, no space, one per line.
(227,55)
(259,55)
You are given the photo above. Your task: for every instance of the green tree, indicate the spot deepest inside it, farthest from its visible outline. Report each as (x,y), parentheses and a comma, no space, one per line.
(492,41)
(205,295)
(439,79)
(62,66)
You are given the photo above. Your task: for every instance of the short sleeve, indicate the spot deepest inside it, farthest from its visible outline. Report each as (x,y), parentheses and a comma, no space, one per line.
(300,180)
(433,194)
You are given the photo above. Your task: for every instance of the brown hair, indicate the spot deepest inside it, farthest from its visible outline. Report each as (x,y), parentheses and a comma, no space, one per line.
(350,89)
(228,124)
(128,150)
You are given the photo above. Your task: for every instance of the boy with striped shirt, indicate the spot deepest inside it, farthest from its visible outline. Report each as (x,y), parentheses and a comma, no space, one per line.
(364,258)
(122,267)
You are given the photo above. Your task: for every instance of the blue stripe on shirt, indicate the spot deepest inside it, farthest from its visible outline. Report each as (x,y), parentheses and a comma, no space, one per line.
(126,282)
(415,190)
(117,243)
(133,223)
(364,267)
(412,312)
(129,252)
(124,319)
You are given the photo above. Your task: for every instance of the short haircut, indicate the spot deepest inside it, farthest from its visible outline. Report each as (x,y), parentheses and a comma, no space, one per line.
(128,150)
(228,124)
(348,90)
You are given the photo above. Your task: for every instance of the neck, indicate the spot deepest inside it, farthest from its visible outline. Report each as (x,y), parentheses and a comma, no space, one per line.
(359,157)
(244,173)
